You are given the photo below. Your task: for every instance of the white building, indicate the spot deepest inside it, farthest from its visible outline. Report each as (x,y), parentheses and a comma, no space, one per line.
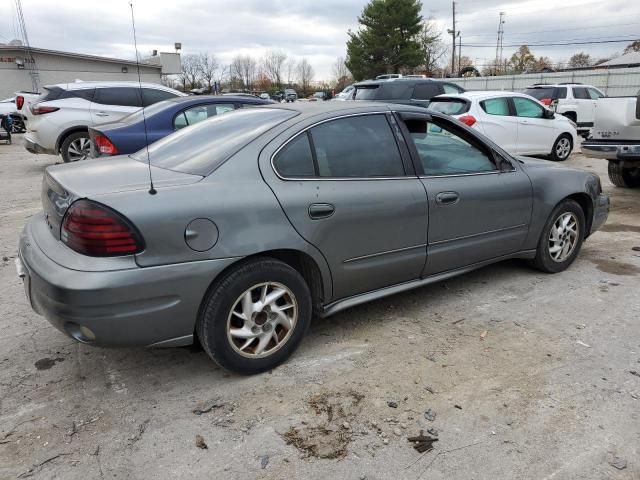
(53,67)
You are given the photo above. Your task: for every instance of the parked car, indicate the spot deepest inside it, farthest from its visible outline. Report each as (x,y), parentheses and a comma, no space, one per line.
(515,121)
(319,96)
(161,119)
(411,91)
(265,96)
(268,216)
(575,101)
(58,122)
(290,95)
(346,94)
(616,138)
(8,107)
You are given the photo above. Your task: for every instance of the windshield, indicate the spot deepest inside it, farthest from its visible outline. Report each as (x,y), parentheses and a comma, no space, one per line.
(540,93)
(449,106)
(201,148)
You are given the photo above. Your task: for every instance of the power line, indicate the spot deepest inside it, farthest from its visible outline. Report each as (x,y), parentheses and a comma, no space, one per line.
(557,44)
(561,29)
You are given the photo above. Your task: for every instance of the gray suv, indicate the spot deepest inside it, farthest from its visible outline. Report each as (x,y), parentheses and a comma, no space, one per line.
(410,91)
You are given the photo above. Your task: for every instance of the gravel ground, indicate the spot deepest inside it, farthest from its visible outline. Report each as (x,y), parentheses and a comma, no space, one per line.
(528,375)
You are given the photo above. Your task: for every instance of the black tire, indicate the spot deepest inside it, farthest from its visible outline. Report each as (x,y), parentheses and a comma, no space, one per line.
(216,313)
(624,177)
(68,156)
(559,154)
(543,260)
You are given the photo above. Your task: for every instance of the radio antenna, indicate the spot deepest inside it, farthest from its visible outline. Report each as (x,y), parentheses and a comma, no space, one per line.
(152,191)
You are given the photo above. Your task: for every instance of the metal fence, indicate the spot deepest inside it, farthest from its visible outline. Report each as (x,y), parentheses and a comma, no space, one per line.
(618,82)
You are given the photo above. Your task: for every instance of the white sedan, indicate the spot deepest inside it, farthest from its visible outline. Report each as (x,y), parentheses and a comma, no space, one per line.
(518,123)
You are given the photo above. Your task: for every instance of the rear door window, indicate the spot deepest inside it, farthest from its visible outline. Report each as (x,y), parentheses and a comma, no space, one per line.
(199,113)
(451,88)
(394,91)
(561,92)
(496,106)
(362,146)
(296,159)
(122,96)
(426,91)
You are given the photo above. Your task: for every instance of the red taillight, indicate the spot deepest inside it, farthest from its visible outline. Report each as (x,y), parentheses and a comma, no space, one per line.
(468,120)
(546,101)
(19,102)
(42,109)
(95,230)
(104,145)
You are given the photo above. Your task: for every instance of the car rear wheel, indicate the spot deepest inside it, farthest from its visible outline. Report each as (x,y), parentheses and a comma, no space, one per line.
(562,148)
(561,238)
(255,316)
(624,177)
(76,146)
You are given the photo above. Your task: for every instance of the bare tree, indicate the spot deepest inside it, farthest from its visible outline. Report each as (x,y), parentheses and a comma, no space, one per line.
(207,67)
(244,67)
(190,71)
(305,75)
(342,76)
(272,63)
(290,70)
(581,59)
(433,49)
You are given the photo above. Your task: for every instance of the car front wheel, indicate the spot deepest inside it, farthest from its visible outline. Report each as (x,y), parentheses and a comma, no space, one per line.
(255,316)
(561,238)
(561,148)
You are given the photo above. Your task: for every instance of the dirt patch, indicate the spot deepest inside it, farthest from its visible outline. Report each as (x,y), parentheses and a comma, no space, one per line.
(614,267)
(47,363)
(328,433)
(620,227)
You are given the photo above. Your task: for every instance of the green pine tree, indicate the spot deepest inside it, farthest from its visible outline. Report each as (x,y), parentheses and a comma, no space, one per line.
(388,38)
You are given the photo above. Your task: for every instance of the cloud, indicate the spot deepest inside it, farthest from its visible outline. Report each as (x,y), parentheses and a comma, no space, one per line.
(312,29)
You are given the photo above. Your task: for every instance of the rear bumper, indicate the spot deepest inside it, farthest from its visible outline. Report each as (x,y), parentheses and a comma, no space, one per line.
(152,306)
(611,151)
(33,147)
(600,212)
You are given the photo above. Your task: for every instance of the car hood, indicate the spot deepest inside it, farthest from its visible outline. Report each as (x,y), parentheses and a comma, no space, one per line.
(88,178)
(530,162)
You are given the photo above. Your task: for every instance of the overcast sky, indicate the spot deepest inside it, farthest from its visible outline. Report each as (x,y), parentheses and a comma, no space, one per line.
(315,29)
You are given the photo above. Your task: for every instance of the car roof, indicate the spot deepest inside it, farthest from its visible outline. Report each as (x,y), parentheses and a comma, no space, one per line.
(399,80)
(219,98)
(477,95)
(98,84)
(547,85)
(310,109)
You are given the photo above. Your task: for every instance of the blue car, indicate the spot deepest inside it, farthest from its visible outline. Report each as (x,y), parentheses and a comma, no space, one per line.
(162,118)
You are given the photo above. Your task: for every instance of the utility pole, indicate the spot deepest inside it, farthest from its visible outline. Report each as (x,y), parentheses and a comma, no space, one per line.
(499,42)
(459,51)
(453,36)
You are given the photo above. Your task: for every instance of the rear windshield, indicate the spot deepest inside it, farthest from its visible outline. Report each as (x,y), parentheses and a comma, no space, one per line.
(148,111)
(449,106)
(540,93)
(366,93)
(201,148)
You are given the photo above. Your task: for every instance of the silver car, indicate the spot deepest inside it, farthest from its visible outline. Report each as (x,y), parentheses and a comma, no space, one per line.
(262,219)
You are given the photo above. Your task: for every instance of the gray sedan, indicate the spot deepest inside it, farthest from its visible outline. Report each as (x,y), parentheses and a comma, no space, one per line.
(262,219)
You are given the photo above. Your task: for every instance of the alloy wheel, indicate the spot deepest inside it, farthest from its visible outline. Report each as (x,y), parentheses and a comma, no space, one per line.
(79,149)
(563,148)
(563,237)
(262,320)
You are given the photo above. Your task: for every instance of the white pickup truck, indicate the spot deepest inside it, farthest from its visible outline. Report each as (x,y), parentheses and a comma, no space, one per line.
(616,138)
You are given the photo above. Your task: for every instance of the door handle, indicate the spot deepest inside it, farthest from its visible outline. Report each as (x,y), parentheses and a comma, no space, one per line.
(102,114)
(318,211)
(447,198)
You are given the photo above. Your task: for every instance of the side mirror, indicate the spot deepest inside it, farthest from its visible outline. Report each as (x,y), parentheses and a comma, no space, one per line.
(548,114)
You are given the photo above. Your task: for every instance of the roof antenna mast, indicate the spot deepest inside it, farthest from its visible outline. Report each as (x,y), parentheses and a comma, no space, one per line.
(152,191)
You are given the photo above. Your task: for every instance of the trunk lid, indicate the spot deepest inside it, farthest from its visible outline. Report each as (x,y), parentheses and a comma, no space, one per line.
(617,118)
(64,184)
